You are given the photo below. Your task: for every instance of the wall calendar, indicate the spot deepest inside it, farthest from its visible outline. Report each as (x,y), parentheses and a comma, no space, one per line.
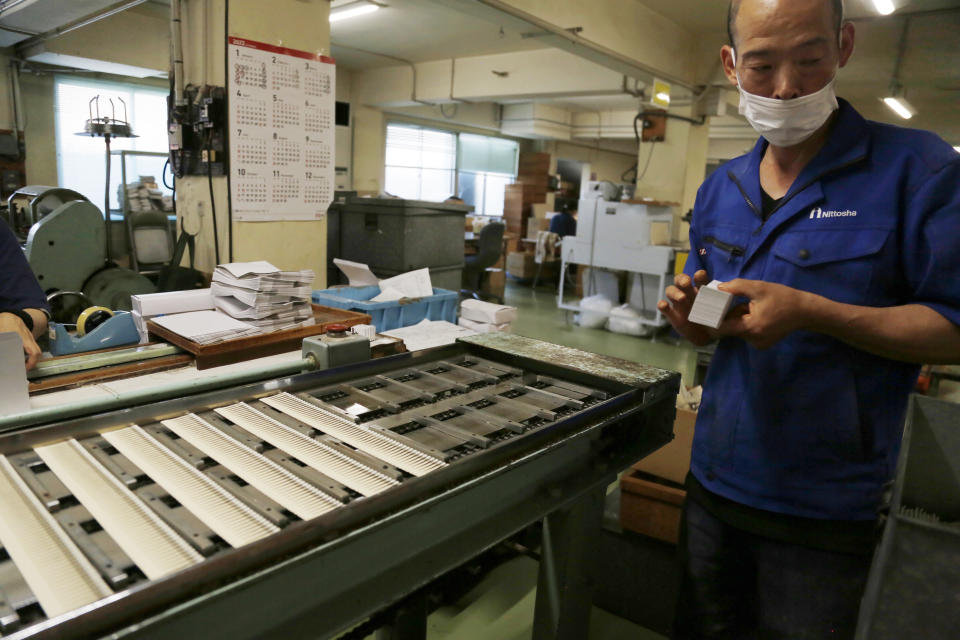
(281,121)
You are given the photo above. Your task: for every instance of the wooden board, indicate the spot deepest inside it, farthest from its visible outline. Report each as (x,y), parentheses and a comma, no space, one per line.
(259,346)
(125,370)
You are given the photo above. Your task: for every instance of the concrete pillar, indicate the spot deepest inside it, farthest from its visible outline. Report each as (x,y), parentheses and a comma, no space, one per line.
(297,24)
(676,166)
(369,140)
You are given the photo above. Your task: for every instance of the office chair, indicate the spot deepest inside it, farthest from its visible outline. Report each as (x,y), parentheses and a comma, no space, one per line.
(490,247)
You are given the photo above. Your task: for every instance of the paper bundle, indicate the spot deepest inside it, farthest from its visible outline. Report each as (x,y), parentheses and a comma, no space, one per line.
(412,284)
(486,317)
(206,327)
(144,195)
(263,296)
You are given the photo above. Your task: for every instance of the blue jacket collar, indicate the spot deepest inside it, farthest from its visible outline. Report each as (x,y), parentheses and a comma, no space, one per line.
(847,144)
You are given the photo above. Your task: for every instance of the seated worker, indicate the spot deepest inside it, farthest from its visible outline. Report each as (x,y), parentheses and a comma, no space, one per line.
(564,224)
(23,305)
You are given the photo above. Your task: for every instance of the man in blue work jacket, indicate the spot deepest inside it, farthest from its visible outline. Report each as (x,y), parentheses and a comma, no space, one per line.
(840,238)
(23,305)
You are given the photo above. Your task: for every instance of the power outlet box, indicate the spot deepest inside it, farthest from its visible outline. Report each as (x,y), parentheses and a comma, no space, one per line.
(198,132)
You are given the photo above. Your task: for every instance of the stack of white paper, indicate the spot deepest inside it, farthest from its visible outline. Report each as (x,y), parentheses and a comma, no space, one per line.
(206,327)
(146,306)
(429,333)
(486,317)
(262,296)
(710,306)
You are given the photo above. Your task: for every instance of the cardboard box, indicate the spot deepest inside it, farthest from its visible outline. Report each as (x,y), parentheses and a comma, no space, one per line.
(673,460)
(493,283)
(659,233)
(650,508)
(521,265)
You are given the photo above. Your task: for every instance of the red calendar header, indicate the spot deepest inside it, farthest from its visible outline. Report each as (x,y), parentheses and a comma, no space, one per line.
(263,46)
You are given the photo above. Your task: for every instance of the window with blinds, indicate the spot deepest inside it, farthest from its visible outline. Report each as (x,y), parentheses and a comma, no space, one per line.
(80,159)
(421,163)
(431,164)
(486,166)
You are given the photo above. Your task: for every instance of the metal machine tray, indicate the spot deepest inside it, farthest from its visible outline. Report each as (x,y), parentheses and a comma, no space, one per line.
(451,450)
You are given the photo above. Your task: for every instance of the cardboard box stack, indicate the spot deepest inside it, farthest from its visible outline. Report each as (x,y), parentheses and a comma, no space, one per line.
(494,282)
(486,317)
(651,492)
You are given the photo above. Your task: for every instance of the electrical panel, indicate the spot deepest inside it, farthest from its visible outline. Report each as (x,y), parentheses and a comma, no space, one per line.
(197,132)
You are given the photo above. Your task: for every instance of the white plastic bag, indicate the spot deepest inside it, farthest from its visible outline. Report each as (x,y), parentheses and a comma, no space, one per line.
(594,310)
(625,319)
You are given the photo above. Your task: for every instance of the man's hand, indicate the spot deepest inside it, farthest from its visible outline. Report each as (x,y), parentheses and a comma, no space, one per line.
(10,322)
(774,311)
(676,308)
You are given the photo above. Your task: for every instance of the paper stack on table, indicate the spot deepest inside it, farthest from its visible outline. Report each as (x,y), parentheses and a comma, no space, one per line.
(263,296)
(206,327)
(146,306)
(486,317)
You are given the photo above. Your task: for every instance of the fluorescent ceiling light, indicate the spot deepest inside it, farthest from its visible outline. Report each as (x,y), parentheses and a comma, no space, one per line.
(91,64)
(353,10)
(900,107)
(884,7)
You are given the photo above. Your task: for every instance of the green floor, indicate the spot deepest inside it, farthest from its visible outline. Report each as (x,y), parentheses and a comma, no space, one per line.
(538,317)
(501,606)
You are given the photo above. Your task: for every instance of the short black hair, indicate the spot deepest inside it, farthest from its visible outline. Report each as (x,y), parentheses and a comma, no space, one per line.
(734,8)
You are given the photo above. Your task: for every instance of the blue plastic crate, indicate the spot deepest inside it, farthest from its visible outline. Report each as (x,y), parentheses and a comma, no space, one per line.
(442,305)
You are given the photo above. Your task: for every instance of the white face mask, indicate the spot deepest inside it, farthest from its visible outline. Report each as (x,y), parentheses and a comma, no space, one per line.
(785,123)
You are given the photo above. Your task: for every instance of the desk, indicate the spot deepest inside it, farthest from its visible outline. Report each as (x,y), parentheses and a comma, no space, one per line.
(471,242)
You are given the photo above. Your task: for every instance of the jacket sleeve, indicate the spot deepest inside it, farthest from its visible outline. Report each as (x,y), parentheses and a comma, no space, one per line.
(19,288)
(931,239)
(694,263)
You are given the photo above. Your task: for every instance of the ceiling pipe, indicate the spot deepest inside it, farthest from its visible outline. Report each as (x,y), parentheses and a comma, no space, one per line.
(77,24)
(571,40)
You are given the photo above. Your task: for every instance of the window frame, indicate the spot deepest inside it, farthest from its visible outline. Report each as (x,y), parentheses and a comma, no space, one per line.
(106,88)
(457,167)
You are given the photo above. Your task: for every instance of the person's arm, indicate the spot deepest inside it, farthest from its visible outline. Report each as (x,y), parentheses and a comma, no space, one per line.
(14,323)
(910,333)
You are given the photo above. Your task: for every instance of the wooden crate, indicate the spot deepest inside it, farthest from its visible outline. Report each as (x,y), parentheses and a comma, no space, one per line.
(650,507)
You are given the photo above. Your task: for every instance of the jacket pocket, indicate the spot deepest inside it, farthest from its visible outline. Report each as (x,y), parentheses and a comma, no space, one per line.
(725,248)
(837,264)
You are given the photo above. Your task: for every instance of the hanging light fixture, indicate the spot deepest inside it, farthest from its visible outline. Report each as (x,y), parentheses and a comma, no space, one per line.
(884,7)
(345,10)
(895,100)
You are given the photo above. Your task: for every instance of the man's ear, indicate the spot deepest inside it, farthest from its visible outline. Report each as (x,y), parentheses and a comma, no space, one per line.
(729,68)
(848,37)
